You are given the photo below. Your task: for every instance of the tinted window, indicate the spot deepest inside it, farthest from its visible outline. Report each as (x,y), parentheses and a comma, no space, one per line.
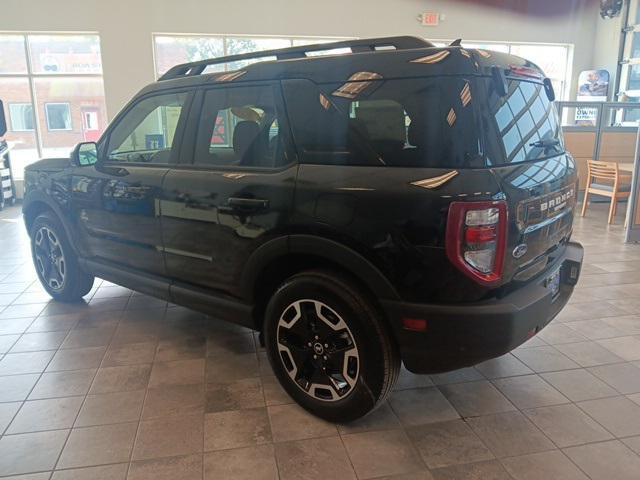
(239,127)
(521,126)
(146,132)
(426,122)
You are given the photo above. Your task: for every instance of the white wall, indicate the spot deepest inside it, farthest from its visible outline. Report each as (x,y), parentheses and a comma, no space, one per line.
(126,27)
(606,48)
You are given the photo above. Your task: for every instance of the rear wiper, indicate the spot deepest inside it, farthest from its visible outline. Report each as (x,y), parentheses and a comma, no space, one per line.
(546,143)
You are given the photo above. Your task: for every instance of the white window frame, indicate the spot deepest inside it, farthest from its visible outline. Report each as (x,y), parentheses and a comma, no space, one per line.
(46,115)
(13,127)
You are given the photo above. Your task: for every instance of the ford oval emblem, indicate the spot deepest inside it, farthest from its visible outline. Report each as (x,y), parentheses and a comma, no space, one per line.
(520,250)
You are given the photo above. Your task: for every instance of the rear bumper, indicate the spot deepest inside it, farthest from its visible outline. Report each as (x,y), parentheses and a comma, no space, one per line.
(462,335)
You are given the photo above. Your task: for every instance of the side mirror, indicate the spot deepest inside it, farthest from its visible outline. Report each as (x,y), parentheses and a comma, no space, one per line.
(548,88)
(84,154)
(3,121)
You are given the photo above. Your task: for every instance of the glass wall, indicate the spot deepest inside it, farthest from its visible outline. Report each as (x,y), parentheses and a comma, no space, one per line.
(555,60)
(171,50)
(51,86)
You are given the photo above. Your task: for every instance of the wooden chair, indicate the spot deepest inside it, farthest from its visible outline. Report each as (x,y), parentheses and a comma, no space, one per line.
(605,179)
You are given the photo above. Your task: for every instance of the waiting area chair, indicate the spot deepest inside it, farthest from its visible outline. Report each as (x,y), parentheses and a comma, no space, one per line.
(605,179)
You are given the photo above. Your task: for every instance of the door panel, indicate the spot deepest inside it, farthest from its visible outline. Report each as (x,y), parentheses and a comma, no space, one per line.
(213,220)
(118,214)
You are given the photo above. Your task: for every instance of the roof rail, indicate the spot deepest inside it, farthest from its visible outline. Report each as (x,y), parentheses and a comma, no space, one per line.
(356,46)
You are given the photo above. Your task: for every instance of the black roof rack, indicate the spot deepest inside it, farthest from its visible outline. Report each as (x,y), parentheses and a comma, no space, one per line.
(356,46)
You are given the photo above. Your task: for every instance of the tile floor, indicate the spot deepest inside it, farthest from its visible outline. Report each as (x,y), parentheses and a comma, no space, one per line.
(128,387)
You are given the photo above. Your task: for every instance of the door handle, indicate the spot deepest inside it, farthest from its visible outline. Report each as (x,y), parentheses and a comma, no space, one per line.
(247,204)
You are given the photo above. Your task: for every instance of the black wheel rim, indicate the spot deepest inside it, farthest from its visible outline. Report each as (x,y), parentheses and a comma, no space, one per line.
(318,350)
(49,257)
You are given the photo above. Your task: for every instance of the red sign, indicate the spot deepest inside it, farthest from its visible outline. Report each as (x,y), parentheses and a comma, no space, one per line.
(430,19)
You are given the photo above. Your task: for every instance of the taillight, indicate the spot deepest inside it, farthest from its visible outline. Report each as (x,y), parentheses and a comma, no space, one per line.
(477,238)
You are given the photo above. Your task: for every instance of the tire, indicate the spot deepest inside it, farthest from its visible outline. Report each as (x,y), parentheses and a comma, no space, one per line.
(324,314)
(56,262)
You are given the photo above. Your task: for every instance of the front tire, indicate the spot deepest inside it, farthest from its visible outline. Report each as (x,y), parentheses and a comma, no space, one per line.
(55,261)
(329,346)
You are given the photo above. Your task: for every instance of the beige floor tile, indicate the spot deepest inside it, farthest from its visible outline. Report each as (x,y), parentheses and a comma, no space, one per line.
(557,333)
(545,465)
(109,408)
(606,461)
(448,443)
(30,452)
(62,384)
(234,429)
(408,380)
(595,329)
(244,393)
(488,470)
(235,344)
(15,388)
(469,374)
(129,354)
(121,379)
(41,415)
(181,349)
(627,348)
(588,354)
(382,418)
(7,412)
(292,422)
(578,385)
(381,453)
(509,434)
(313,459)
(231,367)
(476,398)
(529,391)
(28,362)
(76,359)
(174,400)
(99,445)
(633,443)
(422,405)
(544,359)
(88,337)
(567,425)
(619,415)
(33,342)
(174,468)
(250,463)
(7,341)
(169,437)
(274,394)
(179,372)
(624,377)
(14,326)
(107,472)
(628,324)
(504,366)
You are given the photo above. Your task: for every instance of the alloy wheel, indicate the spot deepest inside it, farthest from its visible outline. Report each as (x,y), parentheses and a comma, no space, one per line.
(318,350)
(50,259)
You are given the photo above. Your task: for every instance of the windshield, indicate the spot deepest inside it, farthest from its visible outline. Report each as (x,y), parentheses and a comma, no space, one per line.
(521,126)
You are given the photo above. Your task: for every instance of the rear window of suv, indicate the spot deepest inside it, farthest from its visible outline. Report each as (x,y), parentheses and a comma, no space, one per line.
(521,126)
(418,122)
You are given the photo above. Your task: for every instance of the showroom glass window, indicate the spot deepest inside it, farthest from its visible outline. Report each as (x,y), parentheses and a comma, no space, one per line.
(53,94)
(171,50)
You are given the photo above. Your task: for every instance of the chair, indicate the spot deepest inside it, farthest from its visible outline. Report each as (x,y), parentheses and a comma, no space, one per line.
(605,179)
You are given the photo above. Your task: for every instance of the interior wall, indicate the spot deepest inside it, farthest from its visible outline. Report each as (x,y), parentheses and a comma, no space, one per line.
(606,48)
(126,27)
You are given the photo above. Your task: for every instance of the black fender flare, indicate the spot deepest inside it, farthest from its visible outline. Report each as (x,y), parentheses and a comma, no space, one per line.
(40,197)
(334,252)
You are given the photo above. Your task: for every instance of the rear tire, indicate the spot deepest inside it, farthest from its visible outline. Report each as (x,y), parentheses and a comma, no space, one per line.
(329,346)
(56,262)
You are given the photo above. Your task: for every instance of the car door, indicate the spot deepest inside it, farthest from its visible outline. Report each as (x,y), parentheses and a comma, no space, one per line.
(237,192)
(116,201)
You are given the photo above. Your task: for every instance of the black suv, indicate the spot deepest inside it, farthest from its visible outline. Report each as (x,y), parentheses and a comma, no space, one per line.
(397,202)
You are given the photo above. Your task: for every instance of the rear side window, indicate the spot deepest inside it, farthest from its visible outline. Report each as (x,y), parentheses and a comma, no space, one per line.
(521,126)
(424,122)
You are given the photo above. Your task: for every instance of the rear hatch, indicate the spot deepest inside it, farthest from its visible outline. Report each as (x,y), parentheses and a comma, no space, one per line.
(525,149)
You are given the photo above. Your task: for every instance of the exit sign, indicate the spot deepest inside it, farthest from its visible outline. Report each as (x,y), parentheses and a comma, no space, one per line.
(430,19)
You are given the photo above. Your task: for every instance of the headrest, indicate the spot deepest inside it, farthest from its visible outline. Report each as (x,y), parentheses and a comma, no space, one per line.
(244,134)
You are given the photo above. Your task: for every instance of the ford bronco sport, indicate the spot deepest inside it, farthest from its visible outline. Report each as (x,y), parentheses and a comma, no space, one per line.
(397,203)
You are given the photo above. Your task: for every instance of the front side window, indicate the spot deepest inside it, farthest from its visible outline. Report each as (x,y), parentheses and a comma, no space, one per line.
(146,132)
(58,116)
(425,122)
(239,127)
(21,117)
